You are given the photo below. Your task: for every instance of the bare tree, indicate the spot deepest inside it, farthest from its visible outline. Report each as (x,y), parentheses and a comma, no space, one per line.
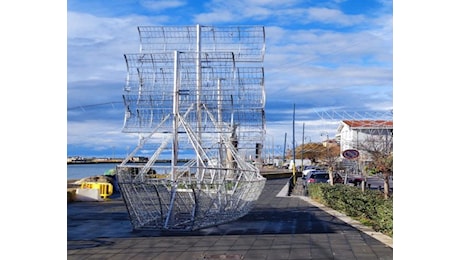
(331,157)
(327,152)
(379,149)
(311,151)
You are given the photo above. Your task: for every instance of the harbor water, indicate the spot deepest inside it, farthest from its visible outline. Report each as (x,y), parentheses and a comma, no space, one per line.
(80,171)
(83,170)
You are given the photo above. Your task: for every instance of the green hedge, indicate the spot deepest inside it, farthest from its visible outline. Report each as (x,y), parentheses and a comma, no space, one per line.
(369,207)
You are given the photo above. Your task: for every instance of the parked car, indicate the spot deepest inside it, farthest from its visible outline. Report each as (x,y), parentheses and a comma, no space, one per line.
(354,179)
(338,178)
(309,169)
(318,176)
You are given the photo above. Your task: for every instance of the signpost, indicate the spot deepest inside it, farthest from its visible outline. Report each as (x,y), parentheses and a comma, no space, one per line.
(350,154)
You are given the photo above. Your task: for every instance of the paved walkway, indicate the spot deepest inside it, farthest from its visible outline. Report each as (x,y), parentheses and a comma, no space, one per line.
(278,227)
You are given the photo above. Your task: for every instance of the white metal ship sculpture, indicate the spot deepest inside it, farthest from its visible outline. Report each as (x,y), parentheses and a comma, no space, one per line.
(194,93)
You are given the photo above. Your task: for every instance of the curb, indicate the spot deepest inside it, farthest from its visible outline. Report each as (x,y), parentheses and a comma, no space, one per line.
(354,223)
(387,240)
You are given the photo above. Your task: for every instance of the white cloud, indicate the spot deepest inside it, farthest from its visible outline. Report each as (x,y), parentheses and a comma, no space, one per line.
(101,134)
(333,16)
(240,10)
(315,67)
(213,17)
(96,46)
(162,5)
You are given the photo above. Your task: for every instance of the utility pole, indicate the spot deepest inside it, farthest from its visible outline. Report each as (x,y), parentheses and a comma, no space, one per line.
(284,151)
(293,147)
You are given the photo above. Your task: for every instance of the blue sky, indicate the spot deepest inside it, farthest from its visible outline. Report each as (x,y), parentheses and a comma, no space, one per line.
(330,58)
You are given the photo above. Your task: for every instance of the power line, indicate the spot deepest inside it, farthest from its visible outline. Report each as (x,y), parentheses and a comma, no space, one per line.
(94,105)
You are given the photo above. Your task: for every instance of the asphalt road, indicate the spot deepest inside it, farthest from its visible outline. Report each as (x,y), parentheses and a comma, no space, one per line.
(278,227)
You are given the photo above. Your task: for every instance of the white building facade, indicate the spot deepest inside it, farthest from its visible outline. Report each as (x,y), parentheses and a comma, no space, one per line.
(357,134)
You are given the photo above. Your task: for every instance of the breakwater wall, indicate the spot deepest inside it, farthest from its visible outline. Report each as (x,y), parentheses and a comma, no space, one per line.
(115,160)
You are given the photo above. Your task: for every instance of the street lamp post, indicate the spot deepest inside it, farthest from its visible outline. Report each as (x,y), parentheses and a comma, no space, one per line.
(309,141)
(303,140)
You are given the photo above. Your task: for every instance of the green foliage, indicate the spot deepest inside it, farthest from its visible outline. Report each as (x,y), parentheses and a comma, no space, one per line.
(384,217)
(369,207)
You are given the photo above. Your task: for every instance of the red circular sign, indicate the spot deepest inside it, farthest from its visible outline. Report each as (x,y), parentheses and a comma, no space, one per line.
(350,154)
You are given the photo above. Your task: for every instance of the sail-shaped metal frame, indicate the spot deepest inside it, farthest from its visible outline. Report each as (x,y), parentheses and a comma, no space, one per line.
(196,94)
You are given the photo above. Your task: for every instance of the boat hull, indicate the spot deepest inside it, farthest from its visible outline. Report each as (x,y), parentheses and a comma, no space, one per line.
(188,202)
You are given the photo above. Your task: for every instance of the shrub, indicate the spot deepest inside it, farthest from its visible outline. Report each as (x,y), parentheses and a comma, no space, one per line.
(369,207)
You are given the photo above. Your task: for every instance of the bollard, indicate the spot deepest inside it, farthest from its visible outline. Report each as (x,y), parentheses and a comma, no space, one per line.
(291,186)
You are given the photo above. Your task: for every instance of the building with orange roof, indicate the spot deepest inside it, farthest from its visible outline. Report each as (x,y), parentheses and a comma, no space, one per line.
(353,134)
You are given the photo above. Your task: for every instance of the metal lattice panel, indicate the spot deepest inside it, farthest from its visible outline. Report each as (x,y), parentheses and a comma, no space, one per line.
(195,204)
(194,92)
(246,42)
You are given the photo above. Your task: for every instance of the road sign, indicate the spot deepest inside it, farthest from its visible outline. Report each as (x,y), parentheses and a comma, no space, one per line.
(350,154)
